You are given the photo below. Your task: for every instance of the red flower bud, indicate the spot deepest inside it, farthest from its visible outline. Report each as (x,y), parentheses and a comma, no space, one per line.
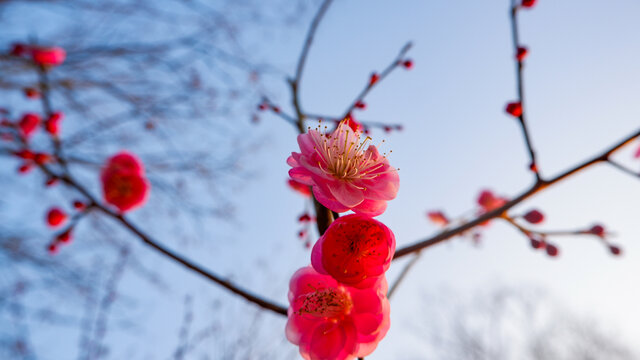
(521,53)
(51,181)
(52,56)
(514,109)
(552,250)
(360,105)
(534,217)
(408,64)
(25,168)
(615,250)
(536,244)
(53,248)
(528,3)
(28,124)
(56,217)
(42,158)
(31,93)
(79,205)
(597,230)
(52,125)
(19,49)
(25,154)
(304,218)
(262,107)
(374,79)
(65,237)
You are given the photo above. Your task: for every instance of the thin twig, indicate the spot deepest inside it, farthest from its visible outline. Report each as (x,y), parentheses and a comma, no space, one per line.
(403,274)
(623,168)
(519,82)
(397,61)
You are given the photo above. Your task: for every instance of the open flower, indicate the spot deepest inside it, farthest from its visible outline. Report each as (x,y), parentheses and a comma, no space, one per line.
(344,172)
(330,321)
(355,250)
(123,182)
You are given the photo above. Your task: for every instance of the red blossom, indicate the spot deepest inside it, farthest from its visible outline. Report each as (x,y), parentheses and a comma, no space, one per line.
(124,184)
(48,56)
(355,250)
(534,217)
(360,105)
(330,321)
(29,124)
(304,218)
(522,53)
(514,109)
(56,217)
(408,64)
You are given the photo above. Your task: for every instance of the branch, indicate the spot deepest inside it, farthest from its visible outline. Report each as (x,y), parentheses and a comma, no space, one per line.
(536,188)
(623,168)
(295,82)
(519,81)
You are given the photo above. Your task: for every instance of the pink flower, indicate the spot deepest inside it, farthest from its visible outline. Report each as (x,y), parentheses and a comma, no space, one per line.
(637,154)
(124,184)
(48,56)
(355,250)
(345,174)
(330,321)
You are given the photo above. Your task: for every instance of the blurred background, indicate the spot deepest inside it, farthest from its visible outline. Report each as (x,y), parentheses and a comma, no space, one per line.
(178,82)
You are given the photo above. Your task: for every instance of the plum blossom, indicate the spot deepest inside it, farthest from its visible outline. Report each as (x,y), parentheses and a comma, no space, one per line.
(331,321)
(124,183)
(355,250)
(344,173)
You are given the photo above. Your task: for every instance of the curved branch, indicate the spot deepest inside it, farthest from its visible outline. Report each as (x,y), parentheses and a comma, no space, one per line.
(536,188)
